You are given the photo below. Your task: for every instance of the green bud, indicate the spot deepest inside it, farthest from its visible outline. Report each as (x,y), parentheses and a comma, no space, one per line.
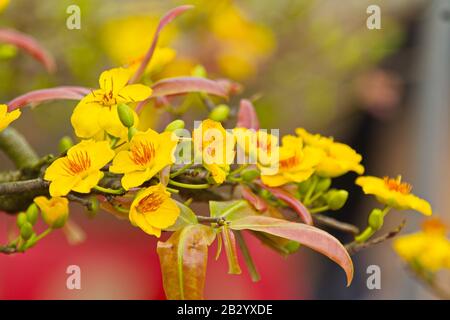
(249,175)
(336,199)
(32,213)
(376,219)
(7,51)
(31,241)
(304,186)
(265,194)
(26,230)
(220,113)
(65,144)
(199,71)
(175,125)
(21,219)
(131,132)
(323,185)
(292,246)
(59,222)
(126,115)
(93,208)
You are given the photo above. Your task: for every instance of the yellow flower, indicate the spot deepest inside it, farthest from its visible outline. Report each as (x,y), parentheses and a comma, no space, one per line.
(429,248)
(149,153)
(80,169)
(54,210)
(3,4)
(96,113)
(153,210)
(215,146)
(7,117)
(393,193)
(339,158)
(242,44)
(257,145)
(296,163)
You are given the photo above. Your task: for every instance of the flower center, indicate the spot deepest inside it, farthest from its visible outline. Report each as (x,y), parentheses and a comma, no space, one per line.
(108,98)
(78,162)
(290,162)
(142,153)
(150,203)
(397,185)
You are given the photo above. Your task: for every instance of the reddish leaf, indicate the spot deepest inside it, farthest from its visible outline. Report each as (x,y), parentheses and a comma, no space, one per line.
(39,96)
(257,202)
(179,85)
(247,117)
(229,242)
(291,201)
(309,236)
(30,45)
(183,259)
(168,17)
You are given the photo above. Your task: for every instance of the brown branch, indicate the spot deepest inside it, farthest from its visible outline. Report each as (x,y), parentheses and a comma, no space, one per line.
(335,224)
(354,247)
(16,187)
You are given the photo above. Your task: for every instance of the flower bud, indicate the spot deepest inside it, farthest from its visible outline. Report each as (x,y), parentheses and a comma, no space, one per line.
(93,207)
(31,241)
(21,219)
(131,132)
(323,185)
(220,113)
(376,219)
(126,115)
(65,144)
(175,125)
(26,230)
(250,175)
(54,211)
(336,199)
(32,213)
(199,71)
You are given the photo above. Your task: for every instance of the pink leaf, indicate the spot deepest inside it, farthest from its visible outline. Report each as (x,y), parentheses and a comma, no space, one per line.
(309,236)
(291,201)
(247,117)
(179,85)
(168,17)
(30,45)
(43,95)
(257,202)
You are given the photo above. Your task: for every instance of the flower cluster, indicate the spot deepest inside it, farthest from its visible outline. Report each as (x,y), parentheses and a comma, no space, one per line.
(248,176)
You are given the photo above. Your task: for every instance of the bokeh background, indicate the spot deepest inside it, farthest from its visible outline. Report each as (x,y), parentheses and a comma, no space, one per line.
(309,63)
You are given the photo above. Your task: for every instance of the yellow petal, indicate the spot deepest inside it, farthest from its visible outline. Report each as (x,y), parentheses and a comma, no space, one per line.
(85,185)
(114,80)
(135,179)
(133,93)
(85,119)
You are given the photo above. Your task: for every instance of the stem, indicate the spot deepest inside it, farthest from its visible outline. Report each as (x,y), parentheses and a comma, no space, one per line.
(181,170)
(17,148)
(311,189)
(335,224)
(189,186)
(172,190)
(247,257)
(319,209)
(109,191)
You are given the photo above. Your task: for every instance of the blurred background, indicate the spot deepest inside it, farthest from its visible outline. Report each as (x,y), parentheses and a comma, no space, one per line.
(308,63)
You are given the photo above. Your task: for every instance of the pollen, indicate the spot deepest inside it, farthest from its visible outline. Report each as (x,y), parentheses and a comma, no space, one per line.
(142,153)
(78,162)
(150,203)
(397,185)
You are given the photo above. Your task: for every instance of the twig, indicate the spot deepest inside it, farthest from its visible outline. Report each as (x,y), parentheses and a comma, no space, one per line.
(354,247)
(335,224)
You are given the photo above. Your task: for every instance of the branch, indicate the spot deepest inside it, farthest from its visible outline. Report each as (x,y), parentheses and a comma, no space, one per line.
(354,247)
(15,187)
(17,148)
(335,224)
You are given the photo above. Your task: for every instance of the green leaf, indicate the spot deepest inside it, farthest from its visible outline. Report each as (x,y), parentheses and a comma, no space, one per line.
(186,217)
(183,258)
(230,210)
(307,235)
